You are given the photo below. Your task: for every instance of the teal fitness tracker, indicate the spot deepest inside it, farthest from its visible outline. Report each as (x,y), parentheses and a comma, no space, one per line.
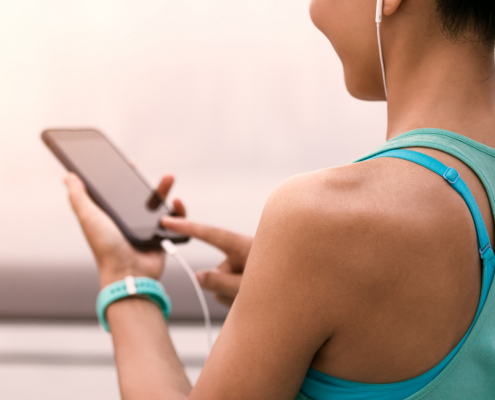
(131,286)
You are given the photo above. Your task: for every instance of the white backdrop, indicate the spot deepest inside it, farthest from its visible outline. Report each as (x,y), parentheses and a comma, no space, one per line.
(232,96)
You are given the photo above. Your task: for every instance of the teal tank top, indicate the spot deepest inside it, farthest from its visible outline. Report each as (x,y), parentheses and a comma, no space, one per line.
(468,372)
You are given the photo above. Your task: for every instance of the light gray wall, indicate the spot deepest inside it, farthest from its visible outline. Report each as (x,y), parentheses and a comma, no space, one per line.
(232,96)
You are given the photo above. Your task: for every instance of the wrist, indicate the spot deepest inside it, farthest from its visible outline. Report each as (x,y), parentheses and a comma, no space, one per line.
(113,271)
(131,288)
(107,277)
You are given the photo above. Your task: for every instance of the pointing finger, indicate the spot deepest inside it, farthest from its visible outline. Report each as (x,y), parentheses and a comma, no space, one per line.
(221,238)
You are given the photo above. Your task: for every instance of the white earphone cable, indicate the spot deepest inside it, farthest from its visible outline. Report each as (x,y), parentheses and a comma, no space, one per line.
(381,58)
(171,249)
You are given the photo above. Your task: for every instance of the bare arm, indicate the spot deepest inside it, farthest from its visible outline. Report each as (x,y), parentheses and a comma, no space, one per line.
(271,335)
(148,366)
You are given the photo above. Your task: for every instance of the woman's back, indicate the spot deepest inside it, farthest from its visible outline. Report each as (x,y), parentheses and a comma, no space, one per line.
(414,268)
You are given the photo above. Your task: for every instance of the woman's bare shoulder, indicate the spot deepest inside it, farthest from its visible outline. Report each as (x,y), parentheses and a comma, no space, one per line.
(383,193)
(362,221)
(374,237)
(348,200)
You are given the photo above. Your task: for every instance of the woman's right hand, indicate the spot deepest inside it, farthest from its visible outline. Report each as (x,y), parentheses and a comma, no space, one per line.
(225,279)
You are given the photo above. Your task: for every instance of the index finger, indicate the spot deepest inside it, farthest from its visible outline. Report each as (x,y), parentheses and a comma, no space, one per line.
(220,238)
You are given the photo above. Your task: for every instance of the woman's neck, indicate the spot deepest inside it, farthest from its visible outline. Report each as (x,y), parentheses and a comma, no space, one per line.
(449,86)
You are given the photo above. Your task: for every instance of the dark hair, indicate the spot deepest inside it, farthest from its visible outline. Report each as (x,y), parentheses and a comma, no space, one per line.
(468,16)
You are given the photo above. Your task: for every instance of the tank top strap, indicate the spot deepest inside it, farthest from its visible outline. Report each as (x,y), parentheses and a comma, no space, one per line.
(453,178)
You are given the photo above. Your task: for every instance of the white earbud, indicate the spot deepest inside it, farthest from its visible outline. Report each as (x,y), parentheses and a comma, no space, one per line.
(379,11)
(379,16)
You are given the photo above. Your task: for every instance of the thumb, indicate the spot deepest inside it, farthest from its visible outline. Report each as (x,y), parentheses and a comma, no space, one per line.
(223,284)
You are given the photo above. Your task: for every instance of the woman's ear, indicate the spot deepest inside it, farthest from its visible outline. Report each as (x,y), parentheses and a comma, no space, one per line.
(390,6)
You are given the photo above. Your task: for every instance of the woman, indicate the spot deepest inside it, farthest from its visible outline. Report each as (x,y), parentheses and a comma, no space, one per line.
(363,281)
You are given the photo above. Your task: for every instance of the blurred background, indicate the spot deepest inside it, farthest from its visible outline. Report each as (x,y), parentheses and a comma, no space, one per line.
(231,96)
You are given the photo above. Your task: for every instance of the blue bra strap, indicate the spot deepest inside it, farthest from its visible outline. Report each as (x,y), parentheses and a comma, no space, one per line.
(454,179)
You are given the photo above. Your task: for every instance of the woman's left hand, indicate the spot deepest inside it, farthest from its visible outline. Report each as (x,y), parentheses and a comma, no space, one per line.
(115,256)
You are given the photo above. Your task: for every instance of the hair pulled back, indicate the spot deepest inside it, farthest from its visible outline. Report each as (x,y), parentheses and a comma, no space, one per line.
(468,16)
